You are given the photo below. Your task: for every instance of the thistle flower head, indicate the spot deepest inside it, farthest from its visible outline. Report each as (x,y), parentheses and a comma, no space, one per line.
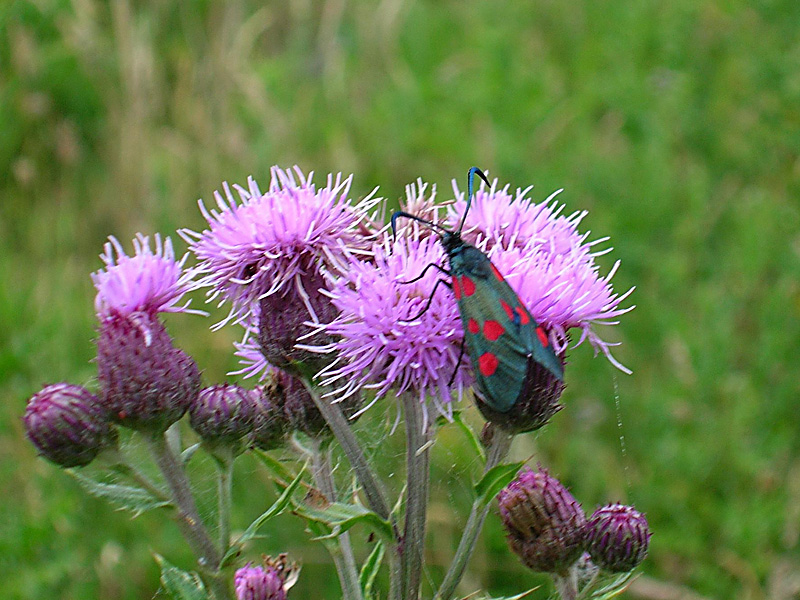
(224,414)
(547,261)
(149,281)
(544,523)
(271,424)
(67,425)
(382,340)
(264,243)
(145,382)
(618,537)
(268,582)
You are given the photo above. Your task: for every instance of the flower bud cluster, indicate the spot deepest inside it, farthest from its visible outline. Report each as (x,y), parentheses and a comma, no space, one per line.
(548,530)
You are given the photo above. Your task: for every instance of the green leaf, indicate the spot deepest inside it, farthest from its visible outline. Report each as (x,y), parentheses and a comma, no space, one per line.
(370,568)
(517,597)
(187,454)
(612,586)
(470,435)
(277,508)
(341,517)
(127,497)
(494,480)
(279,471)
(179,584)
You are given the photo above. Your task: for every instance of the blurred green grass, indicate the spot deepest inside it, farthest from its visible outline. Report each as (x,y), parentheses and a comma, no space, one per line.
(677,125)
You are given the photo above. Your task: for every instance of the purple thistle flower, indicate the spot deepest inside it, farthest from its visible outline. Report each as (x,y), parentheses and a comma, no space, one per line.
(265,243)
(376,347)
(68,425)
(270,582)
(618,537)
(146,383)
(547,261)
(145,282)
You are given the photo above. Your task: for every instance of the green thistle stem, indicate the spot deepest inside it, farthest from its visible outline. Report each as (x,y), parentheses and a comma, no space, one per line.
(189,522)
(418,475)
(567,585)
(498,450)
(376,497)
(224,457)
(340,549)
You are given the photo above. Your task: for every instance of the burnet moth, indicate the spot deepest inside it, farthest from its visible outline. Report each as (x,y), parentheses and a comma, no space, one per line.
(503,340)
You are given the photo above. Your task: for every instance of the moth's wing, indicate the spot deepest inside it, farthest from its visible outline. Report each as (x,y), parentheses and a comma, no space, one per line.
(531,334)
(501,336)
(500,363)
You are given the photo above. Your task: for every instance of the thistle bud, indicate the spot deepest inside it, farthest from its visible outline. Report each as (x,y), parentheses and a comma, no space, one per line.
(282,318)
(270,582)
(545,524)
(223,414)
(617,538)
(147,384)
(271,425)
(535,406)
(284,390)
(67,425)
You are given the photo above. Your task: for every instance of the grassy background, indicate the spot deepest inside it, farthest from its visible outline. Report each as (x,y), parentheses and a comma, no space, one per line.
(677,125)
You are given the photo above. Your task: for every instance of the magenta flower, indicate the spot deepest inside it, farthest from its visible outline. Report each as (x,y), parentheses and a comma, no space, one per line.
(268,582)
(145,282)
(145,382)
(377,347)
(544,257)
(267,242)
(547,261)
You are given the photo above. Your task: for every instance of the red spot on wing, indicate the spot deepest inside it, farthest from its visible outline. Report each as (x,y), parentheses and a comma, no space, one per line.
(493,330)
(473,327)
(456,288)
(524,317)
(487,363)
(497,273)
(508,310)
(467,285)
(542,337)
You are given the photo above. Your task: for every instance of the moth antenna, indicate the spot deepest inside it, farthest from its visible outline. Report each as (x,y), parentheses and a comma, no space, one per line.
(470,178)
(401,213)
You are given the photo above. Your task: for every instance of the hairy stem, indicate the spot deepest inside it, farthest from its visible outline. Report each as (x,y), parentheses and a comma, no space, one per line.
(498,450)
(373,491)
(418,435)
(224,457)
(341,549)
(189,522)
(566,585)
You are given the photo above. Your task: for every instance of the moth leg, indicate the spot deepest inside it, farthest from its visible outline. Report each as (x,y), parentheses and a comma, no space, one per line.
(430,299)
(425,270)
(458,362)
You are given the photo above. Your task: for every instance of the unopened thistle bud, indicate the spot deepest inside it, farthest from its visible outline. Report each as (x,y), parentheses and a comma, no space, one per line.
(68,425)
(617,538)
(536,404)
(282,318)
(271,423)
(545,524)
(146,383)
(223,414)
(284,389)
(268,582)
